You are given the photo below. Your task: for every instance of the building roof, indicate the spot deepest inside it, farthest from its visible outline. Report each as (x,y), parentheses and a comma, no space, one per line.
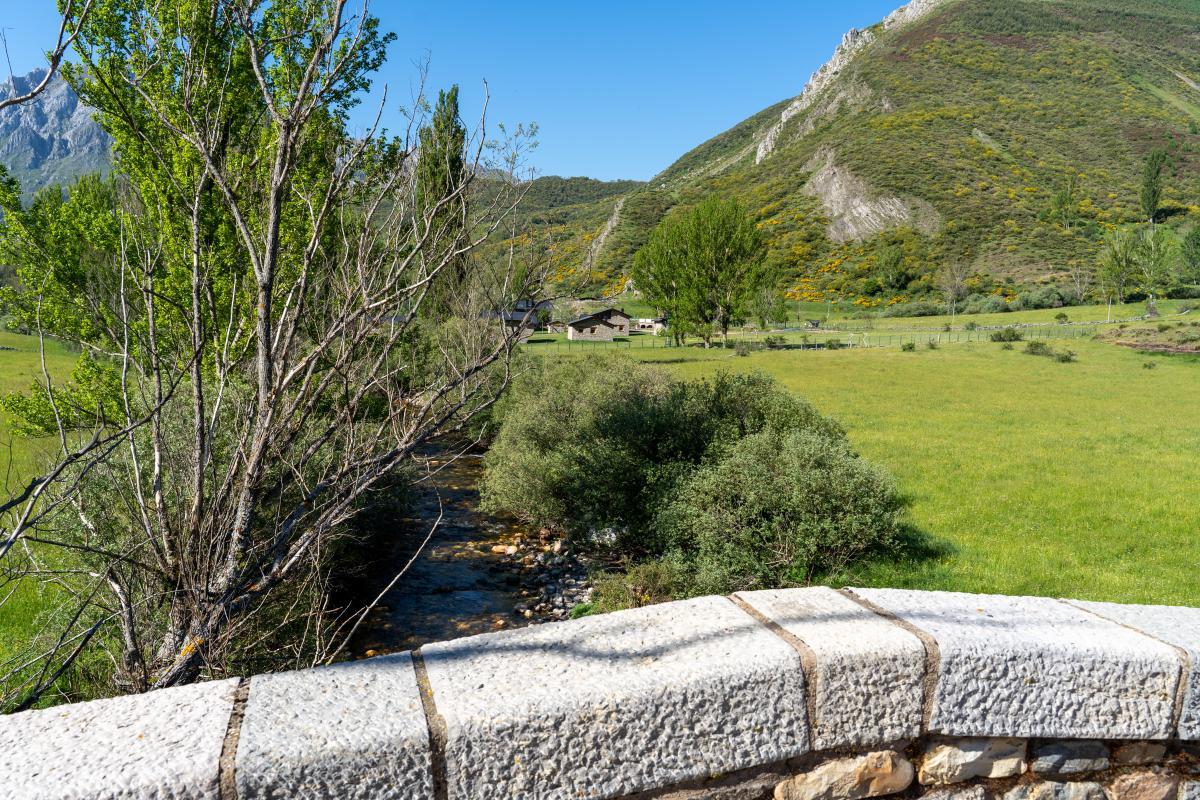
(598,315)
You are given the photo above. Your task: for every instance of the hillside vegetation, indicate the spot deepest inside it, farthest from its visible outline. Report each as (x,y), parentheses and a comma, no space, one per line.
(946,133)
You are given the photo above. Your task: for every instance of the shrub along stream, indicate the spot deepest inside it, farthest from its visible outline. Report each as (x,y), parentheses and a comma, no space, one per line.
(696,487)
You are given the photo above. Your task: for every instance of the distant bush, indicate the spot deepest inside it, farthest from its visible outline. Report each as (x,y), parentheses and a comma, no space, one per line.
(1043,349)
(1006,335)
(909,347)
(972,325)
(1038,349)
(741,348)
(1065,356)
(1062,316)
(778,510)
(931,344)
(775,342)
(1006,346)
(917,309)
(1149,365)
(1044,297)
(992,304)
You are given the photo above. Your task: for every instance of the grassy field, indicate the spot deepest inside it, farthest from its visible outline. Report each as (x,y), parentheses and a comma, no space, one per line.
(20,366)
(1026,476)
(1035,317)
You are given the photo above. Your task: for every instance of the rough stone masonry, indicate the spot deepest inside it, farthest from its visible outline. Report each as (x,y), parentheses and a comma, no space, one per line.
(799,694)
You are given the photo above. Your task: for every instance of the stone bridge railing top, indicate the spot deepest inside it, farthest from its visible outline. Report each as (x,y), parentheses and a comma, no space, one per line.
(672,697)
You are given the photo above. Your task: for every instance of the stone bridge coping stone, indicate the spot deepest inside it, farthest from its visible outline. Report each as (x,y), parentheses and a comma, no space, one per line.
(612,705)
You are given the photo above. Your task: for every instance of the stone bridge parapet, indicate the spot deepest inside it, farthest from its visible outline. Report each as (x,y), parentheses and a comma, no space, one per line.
(796,694)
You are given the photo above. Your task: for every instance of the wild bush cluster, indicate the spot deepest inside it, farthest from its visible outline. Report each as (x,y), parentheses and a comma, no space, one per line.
(724,485)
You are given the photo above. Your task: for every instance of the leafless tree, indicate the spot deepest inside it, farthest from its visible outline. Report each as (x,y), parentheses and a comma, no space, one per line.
(265,327)
(1083,277)
(952,280)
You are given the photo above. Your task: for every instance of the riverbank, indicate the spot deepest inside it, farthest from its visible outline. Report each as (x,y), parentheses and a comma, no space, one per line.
(475,573)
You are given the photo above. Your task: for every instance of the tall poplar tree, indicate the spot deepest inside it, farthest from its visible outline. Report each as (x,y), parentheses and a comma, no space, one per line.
(441,173)
(1152,183)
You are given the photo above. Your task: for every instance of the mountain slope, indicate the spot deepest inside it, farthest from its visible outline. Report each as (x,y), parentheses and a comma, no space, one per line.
(947,129)
(52,139)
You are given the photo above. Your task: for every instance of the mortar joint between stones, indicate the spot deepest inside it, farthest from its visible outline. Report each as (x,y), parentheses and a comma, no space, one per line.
(933,656)
(436,725)
(227,764)
(1185,665)
(808,662)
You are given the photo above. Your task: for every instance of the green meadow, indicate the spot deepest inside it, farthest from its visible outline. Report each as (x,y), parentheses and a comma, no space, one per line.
(20,458)
(1026,476)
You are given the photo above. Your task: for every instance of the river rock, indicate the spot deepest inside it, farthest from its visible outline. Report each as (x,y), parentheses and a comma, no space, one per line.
(1137,753)
(958,760)
(872,775)
(1144,785)
(1064,758)
(1054,790)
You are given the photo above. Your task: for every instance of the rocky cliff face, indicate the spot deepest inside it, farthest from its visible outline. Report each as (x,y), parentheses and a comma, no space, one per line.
(52,139)
(854,41)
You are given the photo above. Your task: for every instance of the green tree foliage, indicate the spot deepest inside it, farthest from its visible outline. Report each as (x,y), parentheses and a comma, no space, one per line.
(248,295)
(1156,261)
(1063,207)
(615,451)
(704,267)
(1190,251)
(768,307)
(1117,268)
(781,508)
(1152,183)
(889,266)
(442,206)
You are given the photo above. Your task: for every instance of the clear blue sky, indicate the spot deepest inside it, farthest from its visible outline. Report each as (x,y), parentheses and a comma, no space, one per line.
(619,89)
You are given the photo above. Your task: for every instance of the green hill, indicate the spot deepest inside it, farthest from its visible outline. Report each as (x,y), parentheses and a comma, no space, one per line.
(946,130)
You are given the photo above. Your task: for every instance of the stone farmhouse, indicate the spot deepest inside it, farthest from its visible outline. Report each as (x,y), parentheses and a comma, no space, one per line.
(602,326)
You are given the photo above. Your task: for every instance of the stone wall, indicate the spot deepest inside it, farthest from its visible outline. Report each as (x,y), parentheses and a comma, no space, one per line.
(802,694)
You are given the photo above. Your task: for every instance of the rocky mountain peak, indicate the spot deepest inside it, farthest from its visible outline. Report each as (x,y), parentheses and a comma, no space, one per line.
(52,139)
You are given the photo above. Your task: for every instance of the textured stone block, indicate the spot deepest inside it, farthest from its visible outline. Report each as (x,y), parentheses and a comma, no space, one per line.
(1145,785)
(1052,790)
(1189,790)
(164,744)
(871,775)
(961,760)
(1176,626)
(868,671)
(957,793)
(1035,667)
(615,704)
(1135,753)
(1065,758)
(353,731)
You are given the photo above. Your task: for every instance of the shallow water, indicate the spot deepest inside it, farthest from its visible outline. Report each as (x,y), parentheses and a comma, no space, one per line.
(457,585)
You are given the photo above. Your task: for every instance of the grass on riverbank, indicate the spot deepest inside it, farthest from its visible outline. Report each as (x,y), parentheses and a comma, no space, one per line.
(1037,477)
(21,458)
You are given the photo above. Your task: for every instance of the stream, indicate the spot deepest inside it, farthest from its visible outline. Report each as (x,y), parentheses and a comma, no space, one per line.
(478,572)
